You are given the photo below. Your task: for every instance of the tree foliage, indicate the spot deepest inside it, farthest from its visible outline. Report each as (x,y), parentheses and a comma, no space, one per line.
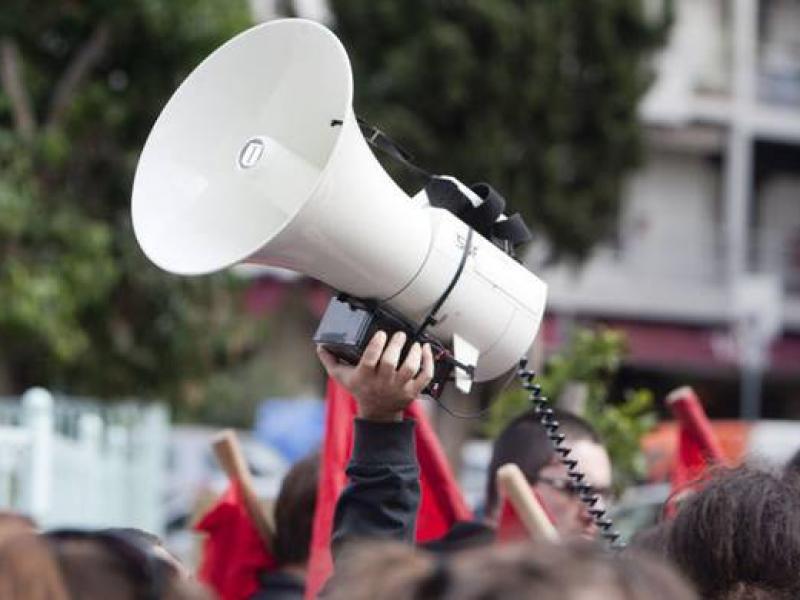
(592,358)
(537,97)
(80,307)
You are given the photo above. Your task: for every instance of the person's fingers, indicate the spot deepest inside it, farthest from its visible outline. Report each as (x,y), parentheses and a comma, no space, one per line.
(410,366)
(391,355)
(332,365)
(372,353)
(425,375)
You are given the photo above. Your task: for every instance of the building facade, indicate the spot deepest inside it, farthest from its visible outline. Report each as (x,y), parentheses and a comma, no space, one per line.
(704,275)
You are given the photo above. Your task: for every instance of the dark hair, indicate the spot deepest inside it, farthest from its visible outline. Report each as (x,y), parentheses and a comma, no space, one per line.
(294,512)
(653,540)
(98,565)
(524,442)
(739,536)
(793,466)
(568,571)
(91,565)
(139,536)
(381,569)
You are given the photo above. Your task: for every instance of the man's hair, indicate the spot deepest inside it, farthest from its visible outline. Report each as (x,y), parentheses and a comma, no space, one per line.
(78,565)
(739,536)
(95,569)
(652,540)
(524,442)
(381,569)
(294,512)
(568,571)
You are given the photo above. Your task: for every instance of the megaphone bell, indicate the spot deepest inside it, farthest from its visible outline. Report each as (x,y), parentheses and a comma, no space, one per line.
(258,158)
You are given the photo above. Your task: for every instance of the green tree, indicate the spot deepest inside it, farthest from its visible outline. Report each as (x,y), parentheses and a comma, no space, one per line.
(537,97)
(591,359)
(80,307)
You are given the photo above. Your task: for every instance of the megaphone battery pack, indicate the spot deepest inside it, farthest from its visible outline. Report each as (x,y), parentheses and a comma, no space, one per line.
(349,324)
(345,330)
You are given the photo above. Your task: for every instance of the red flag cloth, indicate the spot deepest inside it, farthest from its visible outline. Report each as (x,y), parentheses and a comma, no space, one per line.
(441,504)
(510,527)
(698,446)
(233,552)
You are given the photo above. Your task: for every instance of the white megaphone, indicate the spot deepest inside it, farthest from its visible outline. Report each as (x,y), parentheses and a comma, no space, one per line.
(258,158)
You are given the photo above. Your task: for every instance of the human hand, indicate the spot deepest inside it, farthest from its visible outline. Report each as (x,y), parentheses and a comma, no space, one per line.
(381,388)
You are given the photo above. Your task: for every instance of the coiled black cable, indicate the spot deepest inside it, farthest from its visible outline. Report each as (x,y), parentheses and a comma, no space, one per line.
(585,490)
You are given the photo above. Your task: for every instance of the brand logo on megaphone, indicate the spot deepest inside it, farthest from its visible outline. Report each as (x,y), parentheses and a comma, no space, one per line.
(251,152)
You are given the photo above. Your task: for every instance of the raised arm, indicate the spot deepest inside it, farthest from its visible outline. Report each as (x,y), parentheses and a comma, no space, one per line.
(382,497)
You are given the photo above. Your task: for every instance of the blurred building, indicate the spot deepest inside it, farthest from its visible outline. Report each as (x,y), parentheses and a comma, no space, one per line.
(706,265)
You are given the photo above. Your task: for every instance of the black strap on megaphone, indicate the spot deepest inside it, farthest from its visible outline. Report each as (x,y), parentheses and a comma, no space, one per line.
(442,192)
(380,141)
(506,233)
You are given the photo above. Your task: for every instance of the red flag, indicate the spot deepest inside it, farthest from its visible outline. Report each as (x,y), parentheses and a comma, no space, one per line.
(233,552)
(698,446)
(441,504)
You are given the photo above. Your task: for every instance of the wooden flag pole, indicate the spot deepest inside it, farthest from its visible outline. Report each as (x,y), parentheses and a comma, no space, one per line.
(230,456)
(513,485)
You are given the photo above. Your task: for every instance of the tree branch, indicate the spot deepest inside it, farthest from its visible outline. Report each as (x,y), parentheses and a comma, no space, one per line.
(85,60)
(14,86)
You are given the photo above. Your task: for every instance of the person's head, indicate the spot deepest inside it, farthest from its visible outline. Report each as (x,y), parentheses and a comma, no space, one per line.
(294,513)
(570,571)
(380,569)
(652,540)
(739,536)
(575,570)
(83,564)
(102,564)
(154,544)
(524,442)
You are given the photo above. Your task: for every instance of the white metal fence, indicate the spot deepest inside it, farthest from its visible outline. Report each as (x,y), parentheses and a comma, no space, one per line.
(77,463)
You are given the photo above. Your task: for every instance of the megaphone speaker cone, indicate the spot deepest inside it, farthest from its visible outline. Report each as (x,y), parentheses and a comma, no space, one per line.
(240,146)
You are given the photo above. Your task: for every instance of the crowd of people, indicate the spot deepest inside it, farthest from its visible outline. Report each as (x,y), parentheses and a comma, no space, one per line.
(734,535)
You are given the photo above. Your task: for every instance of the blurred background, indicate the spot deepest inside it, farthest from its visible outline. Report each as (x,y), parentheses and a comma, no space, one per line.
(652,145)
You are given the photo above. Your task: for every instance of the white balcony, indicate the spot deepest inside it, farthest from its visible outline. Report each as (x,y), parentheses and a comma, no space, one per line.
(726,70)
(670,262)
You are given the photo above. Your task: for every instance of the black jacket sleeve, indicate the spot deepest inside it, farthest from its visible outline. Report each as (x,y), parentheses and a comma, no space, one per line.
(382,497)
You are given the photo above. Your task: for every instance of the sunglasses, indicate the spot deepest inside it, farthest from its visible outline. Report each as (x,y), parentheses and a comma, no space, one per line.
(567,486)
